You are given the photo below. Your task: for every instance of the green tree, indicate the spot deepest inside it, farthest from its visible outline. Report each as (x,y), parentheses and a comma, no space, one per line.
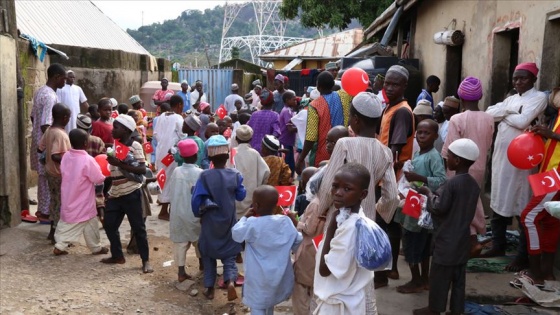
(333,13)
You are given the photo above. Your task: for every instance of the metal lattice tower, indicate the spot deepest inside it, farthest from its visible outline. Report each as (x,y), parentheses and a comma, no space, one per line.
(270,30)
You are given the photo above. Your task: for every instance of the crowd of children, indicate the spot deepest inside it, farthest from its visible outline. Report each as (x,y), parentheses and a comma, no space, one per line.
(221,197)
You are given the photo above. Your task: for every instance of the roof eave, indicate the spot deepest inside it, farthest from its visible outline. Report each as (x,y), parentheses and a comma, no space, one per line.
(383,20)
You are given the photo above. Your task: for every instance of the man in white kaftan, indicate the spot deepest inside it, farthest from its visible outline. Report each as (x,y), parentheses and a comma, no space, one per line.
(510,191)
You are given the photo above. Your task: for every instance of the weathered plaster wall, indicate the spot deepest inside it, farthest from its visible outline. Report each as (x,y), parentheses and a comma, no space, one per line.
(480,20)
(9,147)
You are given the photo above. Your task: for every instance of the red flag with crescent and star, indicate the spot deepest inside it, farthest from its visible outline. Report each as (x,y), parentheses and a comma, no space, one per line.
(148,148)
(114,114)
(287,195)
(121,150)
(221,111)
(167,160)
(545,183)
(161,178)
(413,204)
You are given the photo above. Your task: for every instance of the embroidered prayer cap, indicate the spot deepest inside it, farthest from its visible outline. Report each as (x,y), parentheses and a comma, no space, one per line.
(185,82)
(187,147)
(256,82)
(367,104)
(203,105)
(423,107)
(114,102)
(83,122)
(400,70)
(279,77)
(217,145)
(127,121)
(164,78)
(529,66)
(134,99)
(234,87)
(470,89)
(452,102)
(331,66)
(193,122)
(266,97)
(465,148)
(69,71)
(271,142)
(315,94)
(244,133)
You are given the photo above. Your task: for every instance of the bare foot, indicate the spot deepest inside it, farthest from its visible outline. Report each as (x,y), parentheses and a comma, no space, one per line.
(209,293)
(183,277)
(231,292)
(476,249)
(517,264)
(410,287)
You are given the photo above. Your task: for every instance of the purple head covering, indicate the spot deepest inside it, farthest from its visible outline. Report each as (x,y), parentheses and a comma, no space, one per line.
(470,89)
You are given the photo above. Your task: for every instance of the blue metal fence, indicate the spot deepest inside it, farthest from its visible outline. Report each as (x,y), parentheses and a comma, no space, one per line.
(216,83)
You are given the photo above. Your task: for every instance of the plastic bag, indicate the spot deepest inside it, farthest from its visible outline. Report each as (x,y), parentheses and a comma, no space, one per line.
(425,219)
(402,184)
(373,246)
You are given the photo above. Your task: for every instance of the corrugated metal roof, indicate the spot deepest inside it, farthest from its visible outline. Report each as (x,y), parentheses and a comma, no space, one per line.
(73,23)
(328,47)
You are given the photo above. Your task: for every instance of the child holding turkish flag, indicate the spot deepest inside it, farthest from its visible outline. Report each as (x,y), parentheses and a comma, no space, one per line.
(428,170)
(452,208)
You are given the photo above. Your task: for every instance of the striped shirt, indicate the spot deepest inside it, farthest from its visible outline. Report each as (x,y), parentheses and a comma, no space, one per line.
(120,186)
(378,159)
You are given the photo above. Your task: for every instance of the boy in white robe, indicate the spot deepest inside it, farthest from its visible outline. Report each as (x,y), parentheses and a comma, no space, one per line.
(184,227)
(269,239)
(340,282)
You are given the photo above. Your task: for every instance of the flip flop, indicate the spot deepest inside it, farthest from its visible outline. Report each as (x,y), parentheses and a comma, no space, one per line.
(516,283)
(26,217)
(238,283)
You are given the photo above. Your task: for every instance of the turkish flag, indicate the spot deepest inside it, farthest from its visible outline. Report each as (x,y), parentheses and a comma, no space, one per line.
(413,204)
(316,240)
(545,183)
(227,133)
(114,114)
(121,150)
(148,147)
(221,111)
(232,154)
(161,178)
(287,195)
(167,160)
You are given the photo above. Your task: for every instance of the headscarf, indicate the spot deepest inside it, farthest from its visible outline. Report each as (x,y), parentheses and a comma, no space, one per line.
(470,89)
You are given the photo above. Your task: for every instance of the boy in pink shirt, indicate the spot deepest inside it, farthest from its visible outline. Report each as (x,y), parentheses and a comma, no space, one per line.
(78,212)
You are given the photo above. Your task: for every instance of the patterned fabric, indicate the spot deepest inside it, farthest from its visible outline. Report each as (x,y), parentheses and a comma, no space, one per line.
(96,146)
(159,95)
(552,150)
(335,109)
(54,205)
(346,100)
(124,187)
(312,131)
(43,195)
(43,102)
(280,173)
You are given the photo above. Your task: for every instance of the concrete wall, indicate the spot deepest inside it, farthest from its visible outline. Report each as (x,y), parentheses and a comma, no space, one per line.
(481,21)
(9,146)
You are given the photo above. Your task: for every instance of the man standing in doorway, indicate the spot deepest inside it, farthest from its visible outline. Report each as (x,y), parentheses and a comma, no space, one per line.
(41,118)
(510,189)
(432,86)
(229,102)
(74,98)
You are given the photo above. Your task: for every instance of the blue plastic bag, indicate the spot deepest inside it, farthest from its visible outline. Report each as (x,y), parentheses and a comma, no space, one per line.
(373,246)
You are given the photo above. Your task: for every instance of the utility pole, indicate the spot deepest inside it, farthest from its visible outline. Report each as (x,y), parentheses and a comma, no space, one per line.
(206,51)
(142,18)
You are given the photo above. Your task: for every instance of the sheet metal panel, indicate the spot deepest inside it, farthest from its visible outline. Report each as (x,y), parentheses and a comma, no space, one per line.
(216,83)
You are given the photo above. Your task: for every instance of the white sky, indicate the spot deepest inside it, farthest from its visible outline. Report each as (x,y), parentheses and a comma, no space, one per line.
(128,14)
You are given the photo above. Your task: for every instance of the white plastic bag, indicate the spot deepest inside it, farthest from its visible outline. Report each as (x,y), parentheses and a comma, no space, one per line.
(553,207)
(425,219)
(402,184)
(373,249)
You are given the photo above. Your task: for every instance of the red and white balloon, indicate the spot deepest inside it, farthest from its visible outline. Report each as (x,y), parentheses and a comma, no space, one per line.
(526,151)
(354,81)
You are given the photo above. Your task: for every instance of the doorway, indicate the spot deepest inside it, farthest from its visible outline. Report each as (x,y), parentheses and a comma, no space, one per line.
(550,78)
(504,60)
(453,65)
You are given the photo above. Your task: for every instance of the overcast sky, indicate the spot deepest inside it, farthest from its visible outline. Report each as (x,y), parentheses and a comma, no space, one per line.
(128,14)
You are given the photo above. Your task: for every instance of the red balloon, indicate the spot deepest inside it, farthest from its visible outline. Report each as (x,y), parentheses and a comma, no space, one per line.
(101,159)
(526,151)
(354,81)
